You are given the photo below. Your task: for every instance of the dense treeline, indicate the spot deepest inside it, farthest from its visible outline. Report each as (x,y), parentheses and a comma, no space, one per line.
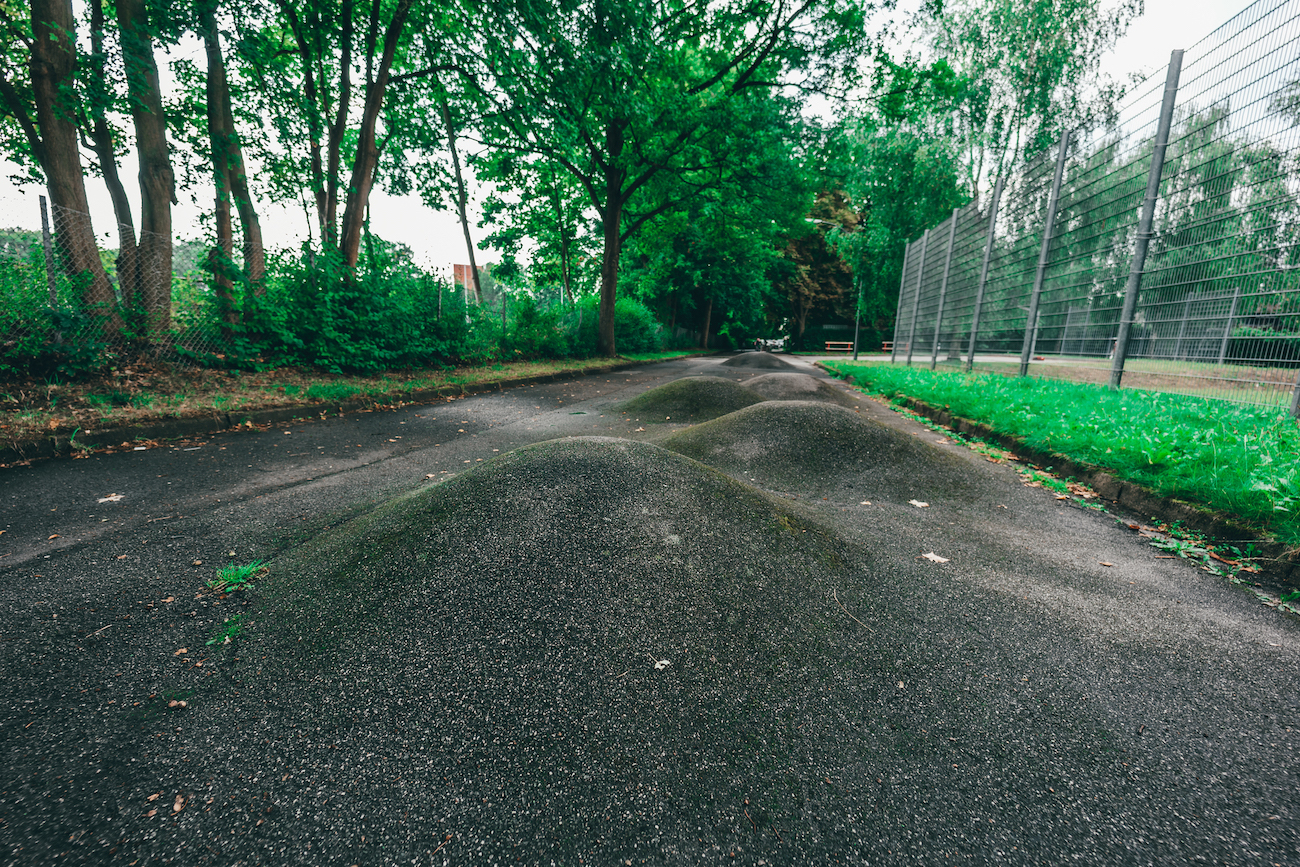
(659,150)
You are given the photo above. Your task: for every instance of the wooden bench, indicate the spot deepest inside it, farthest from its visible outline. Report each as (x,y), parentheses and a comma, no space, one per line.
(887,346)
(839,346)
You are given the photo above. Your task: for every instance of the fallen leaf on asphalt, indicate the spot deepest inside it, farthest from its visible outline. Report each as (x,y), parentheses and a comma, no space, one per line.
(1104,563)
(182,650)
(110,498)
(153,797)
(430,476)
(170,599)
(53,536)
(662,664)
(919,504)
(179,804)
(122,556)
(1062,497)
(935,558)
(175,703)
(865,503)
(151,814)
(197,563)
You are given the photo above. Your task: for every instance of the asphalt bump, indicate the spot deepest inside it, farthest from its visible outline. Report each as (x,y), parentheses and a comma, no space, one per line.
(820,448)
(695,398)
(798,386)
(758,361)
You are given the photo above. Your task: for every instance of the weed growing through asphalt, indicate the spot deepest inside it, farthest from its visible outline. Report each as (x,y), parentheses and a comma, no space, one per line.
(1241,459)
(229,631)
(232,577)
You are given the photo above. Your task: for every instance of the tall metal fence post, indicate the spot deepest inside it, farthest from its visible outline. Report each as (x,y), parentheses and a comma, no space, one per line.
(916,302)
(1295,397)
(984,275)
(898,311)
(943,289)
(1227,326)
(1031,323)
(49,254)
(1148,216)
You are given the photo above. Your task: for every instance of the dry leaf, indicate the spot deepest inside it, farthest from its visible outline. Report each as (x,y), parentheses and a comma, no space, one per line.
(935,558)
(109,498)
(121,556)
(197,563)
(53,536)
(865,503)
(182,650)
(154,796)
(919,504)
(151,814)
(1104,563)
(179,804)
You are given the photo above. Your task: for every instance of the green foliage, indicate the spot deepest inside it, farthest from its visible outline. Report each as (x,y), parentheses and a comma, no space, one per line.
(1244,460)
(635,327)
(232,577)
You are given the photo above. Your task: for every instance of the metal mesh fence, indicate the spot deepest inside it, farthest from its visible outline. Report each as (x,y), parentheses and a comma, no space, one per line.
(62,294)
(1213,288)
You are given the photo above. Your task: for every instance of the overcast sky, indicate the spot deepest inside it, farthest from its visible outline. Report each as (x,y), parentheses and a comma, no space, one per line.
(436,236)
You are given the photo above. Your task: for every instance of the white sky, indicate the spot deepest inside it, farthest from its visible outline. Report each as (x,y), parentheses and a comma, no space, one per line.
(435,236)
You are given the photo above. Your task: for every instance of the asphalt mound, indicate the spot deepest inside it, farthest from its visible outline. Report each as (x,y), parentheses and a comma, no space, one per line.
(695,398)
(817,447)
(758,361)
(798,386)
(576,630)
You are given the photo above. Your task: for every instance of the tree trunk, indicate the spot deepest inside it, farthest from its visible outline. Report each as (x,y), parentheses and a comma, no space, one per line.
(612,215)
(52,61)
(231,161)
(367,158)
(462,199)
(157,182)
(128,265)
(708,321)
(221,254)
(311,98)
(558,204)
(340,125)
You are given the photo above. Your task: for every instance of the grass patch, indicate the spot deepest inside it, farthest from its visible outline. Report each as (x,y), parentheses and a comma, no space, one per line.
(32,409)
(229,631)
(1241,459)
(232,577)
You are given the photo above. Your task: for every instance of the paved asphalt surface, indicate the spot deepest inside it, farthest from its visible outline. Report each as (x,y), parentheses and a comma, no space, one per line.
(1055,692)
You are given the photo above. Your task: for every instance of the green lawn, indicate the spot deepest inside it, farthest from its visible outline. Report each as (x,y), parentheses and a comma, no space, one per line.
(1241,459)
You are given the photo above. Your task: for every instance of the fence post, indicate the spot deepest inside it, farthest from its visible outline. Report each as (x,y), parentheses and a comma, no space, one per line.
(49,254)
(943,289)
(916,302)
(1227,327)
(1031,322)
(898,312)
(1295,397)
(1148,216)
(984,275)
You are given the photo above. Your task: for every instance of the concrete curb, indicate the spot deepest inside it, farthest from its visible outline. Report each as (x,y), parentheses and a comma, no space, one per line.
(1276,561)
(63,441)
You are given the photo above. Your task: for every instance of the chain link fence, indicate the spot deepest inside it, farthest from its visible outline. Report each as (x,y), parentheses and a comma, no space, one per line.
(1160,252)
(66,299)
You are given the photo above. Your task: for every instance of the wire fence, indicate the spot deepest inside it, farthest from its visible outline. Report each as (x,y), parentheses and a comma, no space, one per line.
(1161,252)
(62,294)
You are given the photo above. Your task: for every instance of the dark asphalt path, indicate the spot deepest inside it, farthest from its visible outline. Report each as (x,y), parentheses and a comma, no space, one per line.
(1186,750)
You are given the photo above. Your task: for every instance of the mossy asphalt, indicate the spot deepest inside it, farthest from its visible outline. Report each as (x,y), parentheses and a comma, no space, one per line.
(603,652)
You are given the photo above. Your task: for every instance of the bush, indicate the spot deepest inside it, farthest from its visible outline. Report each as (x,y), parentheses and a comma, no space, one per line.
(635,327)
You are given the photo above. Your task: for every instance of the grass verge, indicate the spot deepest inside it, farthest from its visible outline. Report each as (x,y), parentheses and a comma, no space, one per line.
(144,393)
(1244,460)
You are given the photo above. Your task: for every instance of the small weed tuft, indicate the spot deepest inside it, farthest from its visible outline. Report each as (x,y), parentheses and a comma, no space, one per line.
(229,631)
(232,577)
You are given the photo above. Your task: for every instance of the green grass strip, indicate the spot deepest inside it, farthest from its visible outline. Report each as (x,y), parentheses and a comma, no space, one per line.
(1244,460)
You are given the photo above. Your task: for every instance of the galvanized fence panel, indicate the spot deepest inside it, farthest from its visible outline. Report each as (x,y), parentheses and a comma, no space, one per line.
(952,331)
(1216,290)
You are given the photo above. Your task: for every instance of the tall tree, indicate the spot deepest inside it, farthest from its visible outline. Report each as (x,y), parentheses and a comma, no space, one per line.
(1030,68)
(635,98)
(157,180)
(43,104)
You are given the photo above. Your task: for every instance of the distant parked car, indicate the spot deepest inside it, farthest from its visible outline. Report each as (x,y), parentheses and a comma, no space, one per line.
(770,344)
